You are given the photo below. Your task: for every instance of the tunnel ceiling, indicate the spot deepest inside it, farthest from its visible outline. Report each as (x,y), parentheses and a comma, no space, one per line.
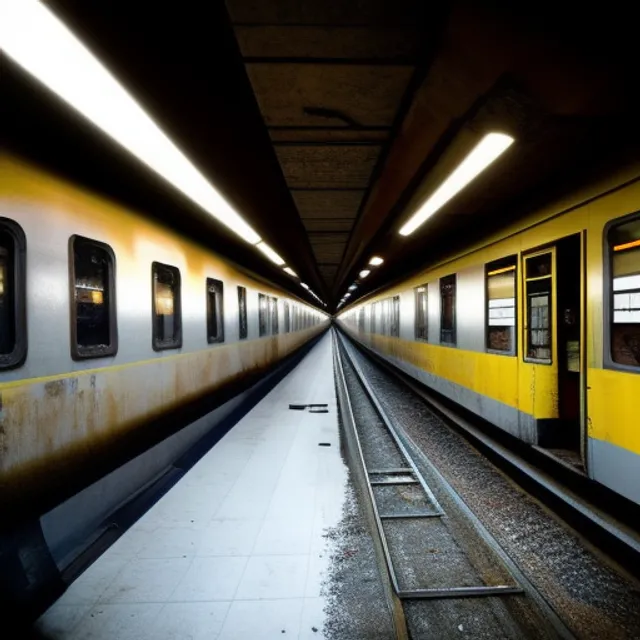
(332,80)
(370,103)
(322,121)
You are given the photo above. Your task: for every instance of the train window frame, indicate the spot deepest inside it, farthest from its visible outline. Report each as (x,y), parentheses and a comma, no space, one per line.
(243,326)
(418,292)
(286,317)
(176,342)
(79,352)
(394,325)
(218,311)
(526,321)
(18,355)
(608,296)
(444,280)
(508,263)
(263,314)
(273,316)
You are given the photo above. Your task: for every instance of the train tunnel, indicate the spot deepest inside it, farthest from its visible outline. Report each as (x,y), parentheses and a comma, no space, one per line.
(319,320)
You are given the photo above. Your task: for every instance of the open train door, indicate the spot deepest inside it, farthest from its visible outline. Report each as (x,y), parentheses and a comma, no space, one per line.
(554,336)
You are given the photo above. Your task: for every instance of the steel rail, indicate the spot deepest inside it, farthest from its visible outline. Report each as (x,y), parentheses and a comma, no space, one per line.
(426,593)
(526,586)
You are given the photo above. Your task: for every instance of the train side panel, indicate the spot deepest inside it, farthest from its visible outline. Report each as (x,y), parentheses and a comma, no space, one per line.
(58,412)
(512,391)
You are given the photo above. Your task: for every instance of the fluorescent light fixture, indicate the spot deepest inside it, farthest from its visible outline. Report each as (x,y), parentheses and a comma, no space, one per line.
(306,286)
(42,45)
(365,272)
(492,146)
(290,271)
(347,295)
(270,253)
(353,287)
(376,261)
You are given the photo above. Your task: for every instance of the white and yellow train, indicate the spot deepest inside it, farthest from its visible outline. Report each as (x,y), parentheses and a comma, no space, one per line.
(117,335)
(536,329)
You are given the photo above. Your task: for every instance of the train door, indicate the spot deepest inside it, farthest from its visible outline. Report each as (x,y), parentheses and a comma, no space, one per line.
(553,281)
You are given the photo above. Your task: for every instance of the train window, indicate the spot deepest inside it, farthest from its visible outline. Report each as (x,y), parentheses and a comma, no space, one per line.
(242,313)
(13,336)
(273,316)
(395,316)
(287,318)
(93,303)
(167,307)
(374,311)
(262,314)
(448,310)
(422,318)
(501,306)
(215,311)
(384,317)
(361,320)
(538,295)
(624,318)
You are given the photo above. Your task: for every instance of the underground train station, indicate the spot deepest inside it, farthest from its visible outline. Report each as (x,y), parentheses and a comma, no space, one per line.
(319,320)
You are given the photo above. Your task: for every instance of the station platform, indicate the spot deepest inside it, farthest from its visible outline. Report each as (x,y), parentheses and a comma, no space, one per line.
(236,548)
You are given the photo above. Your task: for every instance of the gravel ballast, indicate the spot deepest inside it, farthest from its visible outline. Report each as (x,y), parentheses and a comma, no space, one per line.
(593,597)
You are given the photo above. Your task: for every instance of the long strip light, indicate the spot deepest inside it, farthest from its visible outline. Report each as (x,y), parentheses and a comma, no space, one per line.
(365,272)
(376,261)
(42,45)
(270,253)
(290,271)
(491,147)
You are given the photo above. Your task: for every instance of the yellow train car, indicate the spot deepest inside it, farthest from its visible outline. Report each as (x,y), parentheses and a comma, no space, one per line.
(536,329)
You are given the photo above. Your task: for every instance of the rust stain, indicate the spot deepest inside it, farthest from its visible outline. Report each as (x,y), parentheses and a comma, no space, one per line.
(55,388)
(73,418)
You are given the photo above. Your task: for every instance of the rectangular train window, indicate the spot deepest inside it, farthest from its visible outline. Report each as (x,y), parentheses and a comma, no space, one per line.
(242,313)
(374,311)
(263,312)
(215,311)
(167,307)
(395,317)
(501,306)
(13,336)
(422,318)
(448,309)
(273,314)
(384,313)
(287,319)
(361,320)
(624,318)
(93,304)
(538,282)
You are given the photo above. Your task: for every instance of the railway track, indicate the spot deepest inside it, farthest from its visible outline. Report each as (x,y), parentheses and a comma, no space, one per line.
(602,517)
(434,550)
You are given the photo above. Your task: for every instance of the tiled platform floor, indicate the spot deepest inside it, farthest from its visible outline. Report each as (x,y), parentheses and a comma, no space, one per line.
(235,549)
